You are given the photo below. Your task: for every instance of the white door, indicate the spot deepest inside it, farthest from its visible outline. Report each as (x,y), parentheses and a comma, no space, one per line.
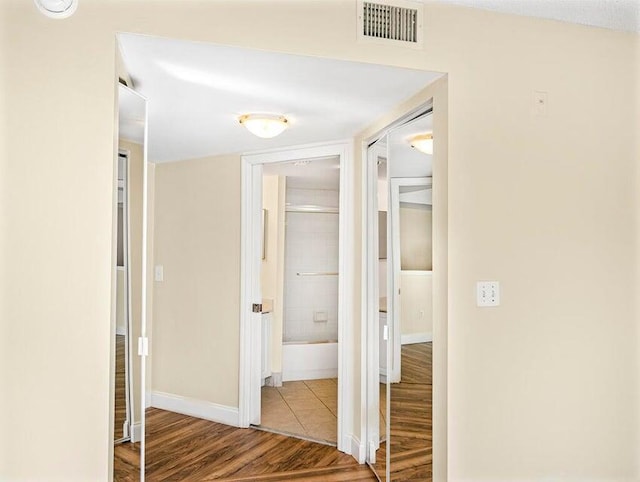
(255,331)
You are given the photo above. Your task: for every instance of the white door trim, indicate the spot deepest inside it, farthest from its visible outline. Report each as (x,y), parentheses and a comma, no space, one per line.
(250,274)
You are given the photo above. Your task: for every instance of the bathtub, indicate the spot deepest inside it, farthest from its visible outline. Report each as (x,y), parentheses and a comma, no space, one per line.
(309,360)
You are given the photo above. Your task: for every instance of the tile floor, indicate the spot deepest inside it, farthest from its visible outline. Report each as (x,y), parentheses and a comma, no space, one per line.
(307,408)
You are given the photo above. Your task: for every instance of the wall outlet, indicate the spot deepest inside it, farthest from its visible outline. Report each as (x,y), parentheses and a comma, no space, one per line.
(488,293)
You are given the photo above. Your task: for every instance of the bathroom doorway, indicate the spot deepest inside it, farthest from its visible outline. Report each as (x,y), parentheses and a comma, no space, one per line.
(300,205)
(295,363)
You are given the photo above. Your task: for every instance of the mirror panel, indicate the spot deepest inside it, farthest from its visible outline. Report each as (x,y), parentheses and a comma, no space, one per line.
(410,306)
(129,389)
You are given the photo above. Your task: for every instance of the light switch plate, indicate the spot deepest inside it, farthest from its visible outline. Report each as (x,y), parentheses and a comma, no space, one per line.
(159,273)
(488,293)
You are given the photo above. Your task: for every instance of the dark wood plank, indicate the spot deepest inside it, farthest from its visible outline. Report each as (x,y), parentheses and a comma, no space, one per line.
(187,449)
(411,419)
(120,413)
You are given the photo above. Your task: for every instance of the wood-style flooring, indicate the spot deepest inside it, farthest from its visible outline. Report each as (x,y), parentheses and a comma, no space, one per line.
(411,418)
(120,413)
(182,448)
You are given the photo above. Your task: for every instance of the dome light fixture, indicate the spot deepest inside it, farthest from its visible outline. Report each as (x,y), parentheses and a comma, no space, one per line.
(57,8)
(423,142)
(264,125)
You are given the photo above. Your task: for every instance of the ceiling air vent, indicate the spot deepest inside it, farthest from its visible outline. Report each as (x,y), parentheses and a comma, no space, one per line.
(390,21)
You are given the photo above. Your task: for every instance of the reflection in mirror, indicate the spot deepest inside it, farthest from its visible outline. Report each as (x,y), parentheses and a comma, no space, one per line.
(378,152)
(128,419)
(410,305)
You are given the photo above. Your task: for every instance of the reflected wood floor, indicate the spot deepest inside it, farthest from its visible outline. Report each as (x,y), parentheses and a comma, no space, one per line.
(182,448)
(120,413)
(411,420)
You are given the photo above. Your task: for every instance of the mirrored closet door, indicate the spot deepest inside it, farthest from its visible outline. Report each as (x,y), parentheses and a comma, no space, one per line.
(404,302)
(130,286)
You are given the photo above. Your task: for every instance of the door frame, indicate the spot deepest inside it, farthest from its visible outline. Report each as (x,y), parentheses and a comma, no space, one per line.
(251,238)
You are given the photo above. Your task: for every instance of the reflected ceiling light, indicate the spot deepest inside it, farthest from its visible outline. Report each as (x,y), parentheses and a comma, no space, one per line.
(57,8)
(264,125)
(423,142)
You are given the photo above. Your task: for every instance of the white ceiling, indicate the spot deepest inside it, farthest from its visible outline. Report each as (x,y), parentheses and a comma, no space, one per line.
(196,92)
(613,14)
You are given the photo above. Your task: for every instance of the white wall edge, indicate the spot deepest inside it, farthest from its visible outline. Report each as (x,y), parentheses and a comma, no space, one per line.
(196,408)
(416,338)
(136,432)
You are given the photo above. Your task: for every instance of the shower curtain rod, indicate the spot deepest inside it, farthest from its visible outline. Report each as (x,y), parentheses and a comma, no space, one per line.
(311,208)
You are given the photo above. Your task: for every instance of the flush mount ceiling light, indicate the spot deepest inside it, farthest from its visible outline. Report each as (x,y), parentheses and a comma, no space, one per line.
(264,125)
(57,8)
(423,142)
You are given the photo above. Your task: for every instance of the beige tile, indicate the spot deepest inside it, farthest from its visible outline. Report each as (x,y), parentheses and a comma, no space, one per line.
(304,404)
(325,383)
(298,395)
(289,426)
(324,393)
(315,416)
(270,393)
(292,386)
(331,405)
(323,431)
(274,418)
(275,409)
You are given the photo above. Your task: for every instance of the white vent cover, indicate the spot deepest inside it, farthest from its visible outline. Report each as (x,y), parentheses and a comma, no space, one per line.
(396,22)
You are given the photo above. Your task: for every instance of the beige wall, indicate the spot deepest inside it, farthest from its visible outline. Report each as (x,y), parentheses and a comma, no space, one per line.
(273,200)
(416,303)
(522,402)
(415,238)
(196,308)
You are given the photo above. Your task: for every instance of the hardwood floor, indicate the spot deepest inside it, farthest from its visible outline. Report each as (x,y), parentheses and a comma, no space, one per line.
(182,448)
(120,389)
(411,426)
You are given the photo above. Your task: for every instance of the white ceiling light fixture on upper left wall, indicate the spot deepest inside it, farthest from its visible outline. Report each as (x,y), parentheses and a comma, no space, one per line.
(57,8)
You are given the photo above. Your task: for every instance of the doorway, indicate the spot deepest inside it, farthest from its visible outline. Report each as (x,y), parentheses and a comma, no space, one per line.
(299,278)
(307,386)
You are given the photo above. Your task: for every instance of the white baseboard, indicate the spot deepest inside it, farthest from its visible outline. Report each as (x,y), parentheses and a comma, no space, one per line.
(309,374)
(275,380)
(196,408)
(121,330)
(358,450)
(147,398)
(136,432)
(416,338)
